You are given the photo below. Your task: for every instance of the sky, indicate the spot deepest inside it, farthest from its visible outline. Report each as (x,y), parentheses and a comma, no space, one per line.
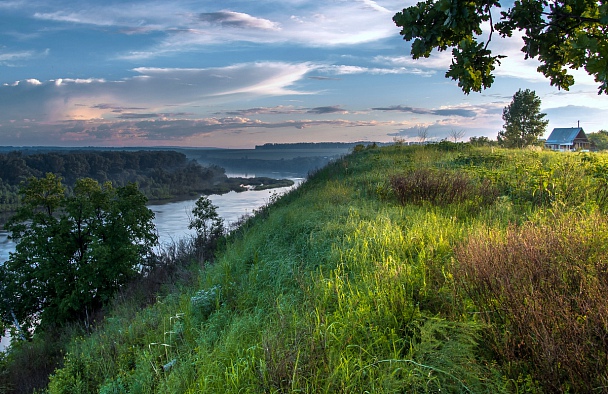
(236,74)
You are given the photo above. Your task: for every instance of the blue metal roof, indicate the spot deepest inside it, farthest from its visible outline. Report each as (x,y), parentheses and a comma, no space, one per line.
(564,136)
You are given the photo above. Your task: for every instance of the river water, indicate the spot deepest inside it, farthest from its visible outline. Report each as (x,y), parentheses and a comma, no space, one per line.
(172,219)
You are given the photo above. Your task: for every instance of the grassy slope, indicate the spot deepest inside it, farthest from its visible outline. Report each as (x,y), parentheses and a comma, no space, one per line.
(334,288)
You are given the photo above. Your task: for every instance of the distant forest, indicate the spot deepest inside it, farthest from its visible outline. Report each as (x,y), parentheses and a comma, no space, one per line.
(316,145)
(160,175)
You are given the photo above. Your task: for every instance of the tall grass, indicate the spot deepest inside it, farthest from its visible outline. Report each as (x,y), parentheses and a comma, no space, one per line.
(542,289)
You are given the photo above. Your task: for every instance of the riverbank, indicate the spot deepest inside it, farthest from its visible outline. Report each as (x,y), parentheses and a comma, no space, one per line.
(370,277)
(236,184)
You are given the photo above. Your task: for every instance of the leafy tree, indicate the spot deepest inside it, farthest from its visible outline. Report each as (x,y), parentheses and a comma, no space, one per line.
(524,122)
(599,140)
(73,251)
(207,223)
(562,34)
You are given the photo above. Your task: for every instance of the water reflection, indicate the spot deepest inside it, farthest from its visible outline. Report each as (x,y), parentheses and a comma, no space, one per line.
(172,219)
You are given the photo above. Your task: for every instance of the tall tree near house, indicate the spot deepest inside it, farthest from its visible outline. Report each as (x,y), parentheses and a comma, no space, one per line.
(524,122)
(561,34)
(73,250)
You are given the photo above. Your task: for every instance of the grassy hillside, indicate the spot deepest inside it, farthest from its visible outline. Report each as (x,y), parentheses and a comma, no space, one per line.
(399,269)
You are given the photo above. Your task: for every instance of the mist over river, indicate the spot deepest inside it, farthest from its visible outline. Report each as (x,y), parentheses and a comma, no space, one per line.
(172,219)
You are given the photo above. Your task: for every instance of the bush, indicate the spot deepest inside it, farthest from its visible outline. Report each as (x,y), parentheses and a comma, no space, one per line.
(441,188)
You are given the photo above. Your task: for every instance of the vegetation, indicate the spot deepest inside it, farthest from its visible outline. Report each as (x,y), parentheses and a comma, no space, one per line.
(524,122)
(160,175)
(412,269)
(562,35)
(207,224)
(73,251)
(482,141)
(599,140)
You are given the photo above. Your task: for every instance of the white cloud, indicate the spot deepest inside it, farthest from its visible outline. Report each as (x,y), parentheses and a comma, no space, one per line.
(437,61)
(186,26)
(349,70)
(14,58)
(237,20)
(152,88)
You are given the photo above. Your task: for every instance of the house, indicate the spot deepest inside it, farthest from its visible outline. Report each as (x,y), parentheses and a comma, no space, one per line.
(567,139)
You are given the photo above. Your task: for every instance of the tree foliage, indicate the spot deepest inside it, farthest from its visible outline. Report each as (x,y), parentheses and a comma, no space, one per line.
(73,250)
(599,140)
(481,141)
(561,34)
(159,174)
(207,223)
(524,122)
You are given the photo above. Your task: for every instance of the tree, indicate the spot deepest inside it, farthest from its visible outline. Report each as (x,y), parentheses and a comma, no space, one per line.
(599,140)
(524,122)
(481,141)
(423,134)
(207,223)
(456,135)
(73,250)
(562,34)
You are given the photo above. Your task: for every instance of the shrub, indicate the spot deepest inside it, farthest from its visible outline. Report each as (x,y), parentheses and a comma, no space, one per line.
(441,188)
(542,288)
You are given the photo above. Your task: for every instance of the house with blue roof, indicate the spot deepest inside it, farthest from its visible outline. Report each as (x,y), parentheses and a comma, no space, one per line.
(567,139)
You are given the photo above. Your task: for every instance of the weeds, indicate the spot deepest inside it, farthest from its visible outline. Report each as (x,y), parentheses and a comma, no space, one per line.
(442,188)
(542,289)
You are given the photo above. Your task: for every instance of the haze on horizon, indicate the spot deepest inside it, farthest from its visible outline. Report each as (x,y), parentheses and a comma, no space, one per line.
(239,73)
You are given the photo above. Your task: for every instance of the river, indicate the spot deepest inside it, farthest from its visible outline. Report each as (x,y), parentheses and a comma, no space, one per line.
(171,219)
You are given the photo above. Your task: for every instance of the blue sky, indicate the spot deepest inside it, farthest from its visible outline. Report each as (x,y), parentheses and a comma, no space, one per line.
(240,73)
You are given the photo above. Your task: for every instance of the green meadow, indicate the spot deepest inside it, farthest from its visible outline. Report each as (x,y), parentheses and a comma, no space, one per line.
(401,269)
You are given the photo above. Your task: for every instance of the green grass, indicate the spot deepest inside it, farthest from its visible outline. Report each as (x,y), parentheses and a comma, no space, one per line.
(340,287)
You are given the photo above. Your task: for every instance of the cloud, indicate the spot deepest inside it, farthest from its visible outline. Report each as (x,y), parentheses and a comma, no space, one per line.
(437,61)
(115,108)
(349,70)
(327,110)
(237,20)
(288,110)
(135,132)
(320,78)
(514,65)
(278,110)
(151,88)
(309,24)
(183,26)
(464,112)
(590,119)
(137,116)
(11,59)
